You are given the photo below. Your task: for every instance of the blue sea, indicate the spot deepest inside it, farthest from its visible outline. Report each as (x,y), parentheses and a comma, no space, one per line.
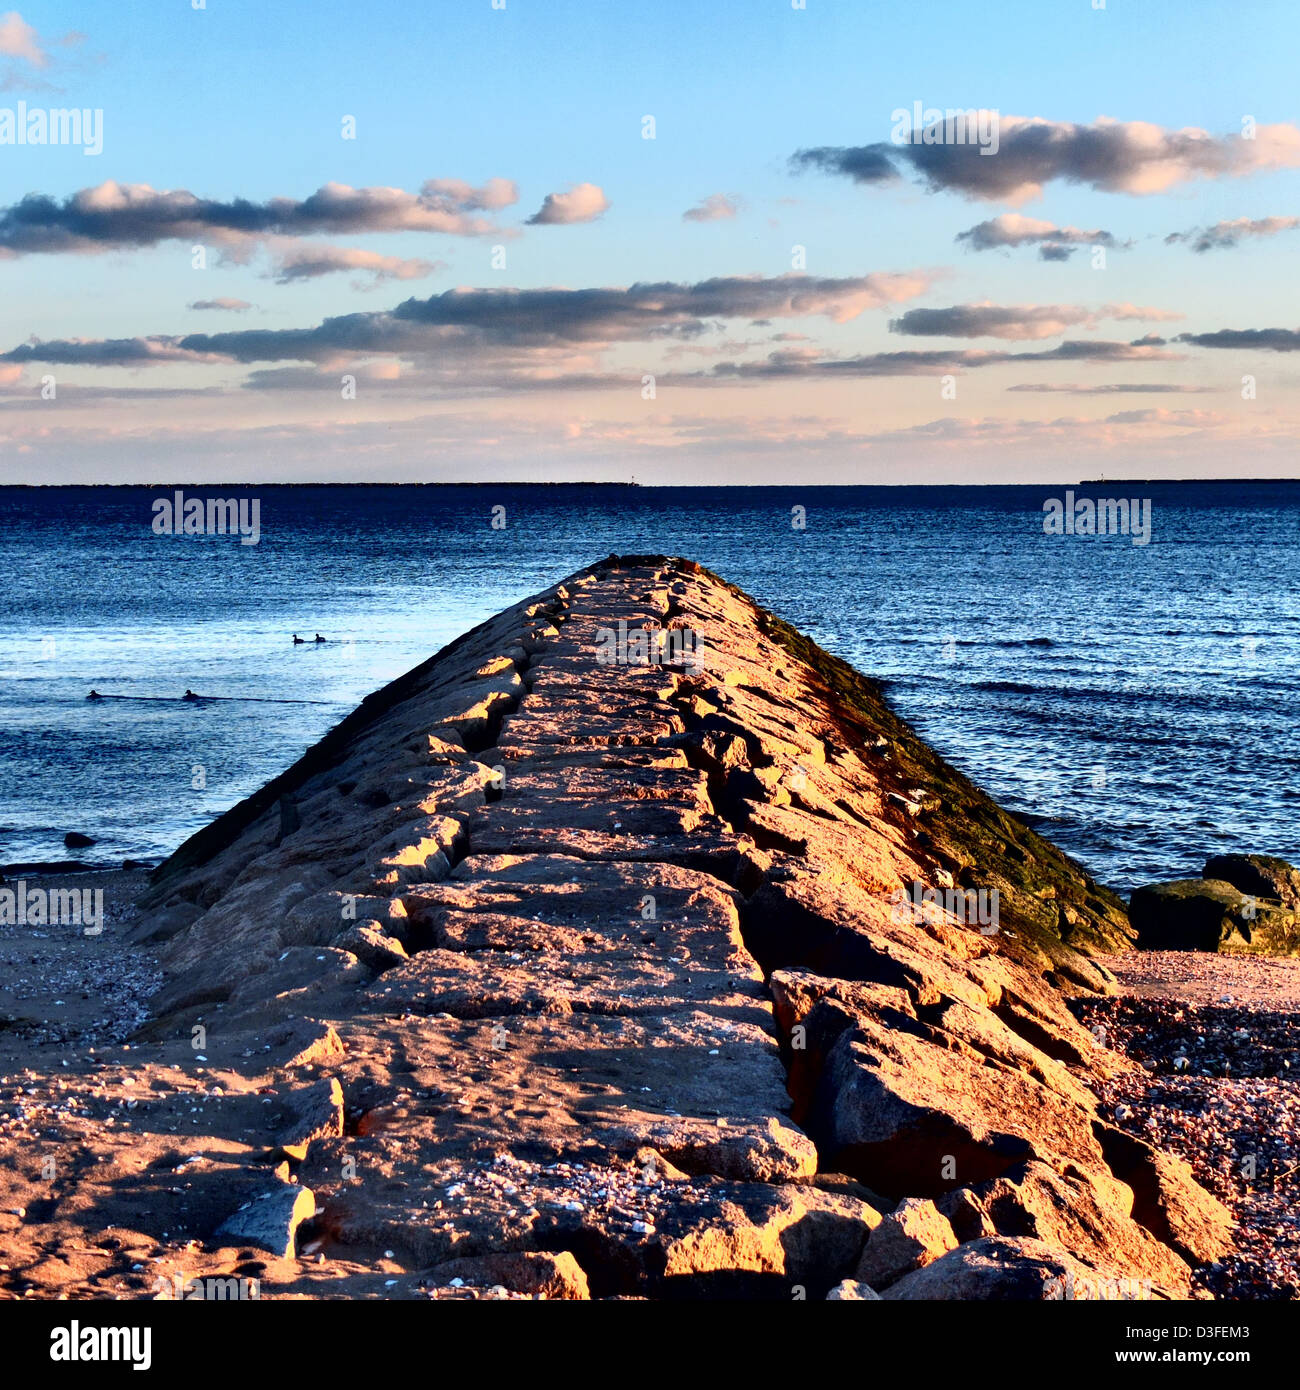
(1138,703)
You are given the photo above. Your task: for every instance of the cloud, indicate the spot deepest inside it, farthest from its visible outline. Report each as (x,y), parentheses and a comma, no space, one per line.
(1018,322)
(1187,419)
(234,306)
(1224,236)
(19,40)
(1073,430)
(114,215)
(463,376)
(584,202)
(107,352)
(1011,229)
(71,392)
(1250,339)
(861,163)
(1012,321)
(1143,312)
(309,261)
(495,194)
(1070,388)
(916,363)
(1111,156)
(717,207)
(458,320)
(376,374)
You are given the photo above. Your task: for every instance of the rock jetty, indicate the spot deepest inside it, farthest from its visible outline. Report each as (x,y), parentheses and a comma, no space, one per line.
(588,961)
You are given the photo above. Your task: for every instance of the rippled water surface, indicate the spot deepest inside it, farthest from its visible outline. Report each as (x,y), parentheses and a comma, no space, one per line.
(1138,701)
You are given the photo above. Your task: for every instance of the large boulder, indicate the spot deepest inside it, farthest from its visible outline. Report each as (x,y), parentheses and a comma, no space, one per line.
(1000,1268)
(1258,875)
(748,1239)
(1084,1215)
(1167,1199)
(534,1273)
(913,1235)
(1208,914)
(909,1116)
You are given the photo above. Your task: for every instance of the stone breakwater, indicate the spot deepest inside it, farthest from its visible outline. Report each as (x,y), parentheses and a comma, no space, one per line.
(548,975)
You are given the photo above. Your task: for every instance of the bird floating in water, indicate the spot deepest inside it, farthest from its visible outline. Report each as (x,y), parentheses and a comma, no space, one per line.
(189,695)
(319,638)
(94,695)
(298,641)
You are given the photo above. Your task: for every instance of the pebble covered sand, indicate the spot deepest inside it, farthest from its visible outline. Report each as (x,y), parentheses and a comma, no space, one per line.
(1218,1038)
(63,986)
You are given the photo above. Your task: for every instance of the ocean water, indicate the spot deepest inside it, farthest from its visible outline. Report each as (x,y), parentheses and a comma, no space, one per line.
(1137,702)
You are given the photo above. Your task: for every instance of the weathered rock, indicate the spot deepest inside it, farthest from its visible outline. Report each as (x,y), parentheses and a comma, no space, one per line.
(303,1042)
(1202,914)
(1167,1199)
(913,1235)
(1070,1211)
(967,1214)
(853,1291)
(754,1239)
(910,1117)
(161,925)
(537,1273)
(422,853)
(1003,1268)
(270,1221)
(739,1148)
(302,972)
(316,1112)
(318,920)
(1257,875)
(372,946)
(846,1186)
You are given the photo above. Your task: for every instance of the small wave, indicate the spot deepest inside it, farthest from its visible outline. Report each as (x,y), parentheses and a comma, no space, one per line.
(1008,687)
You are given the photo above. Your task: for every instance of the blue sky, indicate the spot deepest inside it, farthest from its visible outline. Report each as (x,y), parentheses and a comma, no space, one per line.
(242,101)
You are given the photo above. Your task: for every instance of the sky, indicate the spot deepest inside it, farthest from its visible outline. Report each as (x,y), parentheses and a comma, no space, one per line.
(684,242)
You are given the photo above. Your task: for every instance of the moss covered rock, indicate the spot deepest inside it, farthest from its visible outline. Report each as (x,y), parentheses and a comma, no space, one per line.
(1207,914)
